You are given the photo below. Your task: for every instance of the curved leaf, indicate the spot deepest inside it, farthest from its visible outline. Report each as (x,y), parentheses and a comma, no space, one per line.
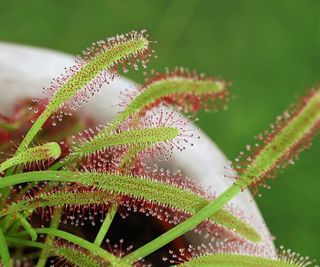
(136,187)
(234,260)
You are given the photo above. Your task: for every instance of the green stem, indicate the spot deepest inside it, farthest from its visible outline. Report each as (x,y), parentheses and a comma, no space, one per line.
(38,176)
(7,164)
(106,224)
(14,228)
(78,241)
(49,239)
(10,171)
(5,192)
(26,225)
(25,243)
(58,165)
(4,251)
(185,226)
(35,128)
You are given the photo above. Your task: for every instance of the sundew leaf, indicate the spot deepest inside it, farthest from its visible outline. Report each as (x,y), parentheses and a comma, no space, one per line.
(155,135)
(187,91)
(234,260)
(74,255)
(99,64)
(59,198)
(291,134)
(48,151)
(131,187)
(103,55)
(142,137)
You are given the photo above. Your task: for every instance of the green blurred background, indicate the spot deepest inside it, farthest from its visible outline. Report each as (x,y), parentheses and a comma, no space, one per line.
(269,50)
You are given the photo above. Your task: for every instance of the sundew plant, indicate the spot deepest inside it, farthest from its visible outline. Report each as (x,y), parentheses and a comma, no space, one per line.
(51,190)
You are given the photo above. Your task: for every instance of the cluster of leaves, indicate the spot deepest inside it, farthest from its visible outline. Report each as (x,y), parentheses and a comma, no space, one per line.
(105,169)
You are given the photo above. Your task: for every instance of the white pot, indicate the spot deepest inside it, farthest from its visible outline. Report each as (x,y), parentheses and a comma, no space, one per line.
(24,71)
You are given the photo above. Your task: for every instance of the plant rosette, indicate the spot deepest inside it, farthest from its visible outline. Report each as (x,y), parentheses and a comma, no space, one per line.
(24,71)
